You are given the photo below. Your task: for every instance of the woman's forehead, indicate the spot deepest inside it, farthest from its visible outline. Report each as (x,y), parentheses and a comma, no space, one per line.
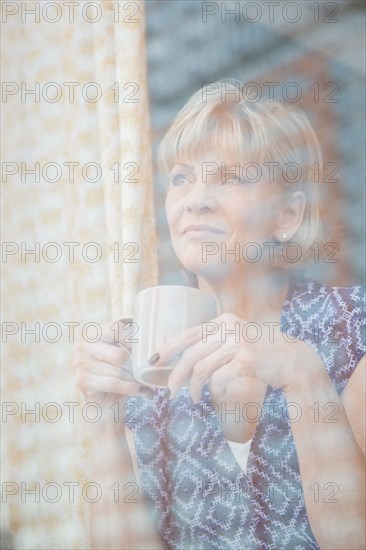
(215,156)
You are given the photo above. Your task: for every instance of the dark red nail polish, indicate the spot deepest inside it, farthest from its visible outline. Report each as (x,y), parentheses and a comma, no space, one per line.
(154,358)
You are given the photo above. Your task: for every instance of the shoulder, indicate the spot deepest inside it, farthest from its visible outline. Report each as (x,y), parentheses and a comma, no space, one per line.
(318,300)
(334,319)
(307,293)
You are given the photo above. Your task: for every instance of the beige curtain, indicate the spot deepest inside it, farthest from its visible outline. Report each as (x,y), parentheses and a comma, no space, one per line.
(76,169)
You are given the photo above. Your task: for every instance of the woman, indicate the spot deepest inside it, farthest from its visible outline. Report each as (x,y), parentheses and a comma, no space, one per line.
(259,440)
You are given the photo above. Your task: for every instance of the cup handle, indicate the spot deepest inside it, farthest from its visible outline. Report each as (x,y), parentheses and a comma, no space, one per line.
(129,373)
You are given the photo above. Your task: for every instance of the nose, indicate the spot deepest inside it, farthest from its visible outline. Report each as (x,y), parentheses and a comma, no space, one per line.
(200,200)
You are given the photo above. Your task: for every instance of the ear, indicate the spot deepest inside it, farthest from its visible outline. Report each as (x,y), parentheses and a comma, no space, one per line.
(291,214)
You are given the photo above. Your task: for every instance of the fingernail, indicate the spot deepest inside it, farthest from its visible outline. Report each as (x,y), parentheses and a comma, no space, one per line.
(154,358)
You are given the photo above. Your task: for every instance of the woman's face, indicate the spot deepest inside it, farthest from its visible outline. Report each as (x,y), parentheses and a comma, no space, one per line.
(215,209)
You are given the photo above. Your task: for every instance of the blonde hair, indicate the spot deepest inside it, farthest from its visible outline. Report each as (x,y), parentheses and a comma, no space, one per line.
(221,117)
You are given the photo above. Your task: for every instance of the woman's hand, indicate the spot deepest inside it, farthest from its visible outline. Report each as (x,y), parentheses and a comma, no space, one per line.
(103,368)
(228,348)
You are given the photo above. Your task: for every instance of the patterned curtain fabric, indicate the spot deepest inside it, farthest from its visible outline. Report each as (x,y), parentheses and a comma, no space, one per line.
(78,242)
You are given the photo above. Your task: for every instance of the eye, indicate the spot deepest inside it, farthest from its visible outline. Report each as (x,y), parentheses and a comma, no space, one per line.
(235,181)
(179,179)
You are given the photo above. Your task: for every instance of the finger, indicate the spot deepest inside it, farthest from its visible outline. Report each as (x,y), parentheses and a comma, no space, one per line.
(177,345)
(204,369)
(96,372)
(204,332)
(108,384)
(99,368)
(118,331)
(115,355)
(193,355)
(127,334)
(237,368)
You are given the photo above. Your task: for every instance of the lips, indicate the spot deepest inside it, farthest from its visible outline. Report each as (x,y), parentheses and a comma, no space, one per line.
(202,228)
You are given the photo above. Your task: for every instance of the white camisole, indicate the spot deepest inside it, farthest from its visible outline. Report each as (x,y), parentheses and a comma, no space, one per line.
(240,452)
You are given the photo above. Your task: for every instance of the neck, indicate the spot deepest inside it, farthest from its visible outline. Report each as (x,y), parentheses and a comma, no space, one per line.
(255,299)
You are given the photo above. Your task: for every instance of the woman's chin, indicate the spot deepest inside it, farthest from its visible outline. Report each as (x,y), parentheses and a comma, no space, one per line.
(213,268)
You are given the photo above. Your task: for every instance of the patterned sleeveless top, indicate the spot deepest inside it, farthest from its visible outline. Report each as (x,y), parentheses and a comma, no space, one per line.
(200,497)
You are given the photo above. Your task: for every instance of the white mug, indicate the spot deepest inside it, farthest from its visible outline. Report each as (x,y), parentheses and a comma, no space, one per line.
(159,314)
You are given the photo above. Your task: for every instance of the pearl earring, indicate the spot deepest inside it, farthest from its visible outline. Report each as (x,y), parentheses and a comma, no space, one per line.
(284,235)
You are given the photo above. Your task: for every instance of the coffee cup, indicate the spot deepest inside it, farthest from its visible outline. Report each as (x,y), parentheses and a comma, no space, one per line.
(159,314)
